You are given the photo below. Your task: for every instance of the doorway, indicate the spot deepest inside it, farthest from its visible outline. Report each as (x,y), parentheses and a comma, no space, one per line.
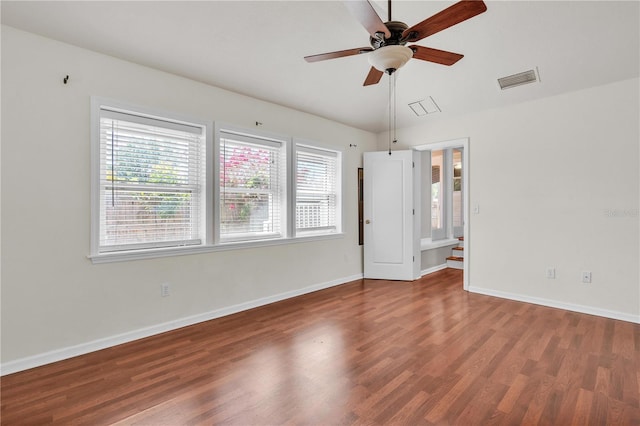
(447,195)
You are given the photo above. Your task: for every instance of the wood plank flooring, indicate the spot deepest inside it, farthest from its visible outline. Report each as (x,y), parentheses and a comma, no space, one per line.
(367,352)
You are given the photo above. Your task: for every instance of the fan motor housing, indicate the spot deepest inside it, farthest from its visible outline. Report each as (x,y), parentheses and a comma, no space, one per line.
(396,28)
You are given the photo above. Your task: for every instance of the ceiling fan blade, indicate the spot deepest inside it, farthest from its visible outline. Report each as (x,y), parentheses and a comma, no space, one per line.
(367,16)
(449,17)
(373,77)
(434,55)
(337,54)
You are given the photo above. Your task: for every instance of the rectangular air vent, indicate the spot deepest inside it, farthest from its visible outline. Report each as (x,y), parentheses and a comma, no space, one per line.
(424,107)
(518,79)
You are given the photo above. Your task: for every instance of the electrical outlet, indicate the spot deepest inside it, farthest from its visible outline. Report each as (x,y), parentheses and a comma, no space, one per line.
(586,277)
(551,273)
(164,289)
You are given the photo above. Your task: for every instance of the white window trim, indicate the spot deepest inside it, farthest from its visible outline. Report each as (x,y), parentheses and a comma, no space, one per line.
(429,244)
(123,256)
(211,200)
(96,104)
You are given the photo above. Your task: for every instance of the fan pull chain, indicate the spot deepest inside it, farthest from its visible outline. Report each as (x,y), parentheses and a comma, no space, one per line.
(395,110)
(390,95)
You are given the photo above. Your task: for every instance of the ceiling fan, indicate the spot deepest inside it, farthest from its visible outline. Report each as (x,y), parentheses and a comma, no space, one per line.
(388,39)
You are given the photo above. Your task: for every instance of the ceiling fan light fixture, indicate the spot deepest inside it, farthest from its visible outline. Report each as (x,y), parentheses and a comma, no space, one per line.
(390,57)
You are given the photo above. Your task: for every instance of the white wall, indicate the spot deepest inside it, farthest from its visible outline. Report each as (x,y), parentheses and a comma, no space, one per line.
(557,184)
(55,302)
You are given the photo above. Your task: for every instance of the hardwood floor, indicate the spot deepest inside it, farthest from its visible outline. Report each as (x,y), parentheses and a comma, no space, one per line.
(367,352)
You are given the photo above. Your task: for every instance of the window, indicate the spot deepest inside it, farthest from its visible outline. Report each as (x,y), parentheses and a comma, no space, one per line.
(317,190)
(151,178)
(162,186)
(252,187)
(458,215)
(447,193)
(438,196)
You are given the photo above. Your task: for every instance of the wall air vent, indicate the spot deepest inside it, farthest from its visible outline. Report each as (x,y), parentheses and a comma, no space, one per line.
(519,79)
(424,107)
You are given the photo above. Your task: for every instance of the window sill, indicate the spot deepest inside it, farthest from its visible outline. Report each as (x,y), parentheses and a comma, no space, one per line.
(123,256)
(427,244)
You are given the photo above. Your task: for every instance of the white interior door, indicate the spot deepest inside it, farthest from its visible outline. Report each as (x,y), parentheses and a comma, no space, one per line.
(391,230)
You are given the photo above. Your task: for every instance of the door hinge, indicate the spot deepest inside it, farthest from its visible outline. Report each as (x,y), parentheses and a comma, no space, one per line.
(413,165)
(414,258)
(414,212)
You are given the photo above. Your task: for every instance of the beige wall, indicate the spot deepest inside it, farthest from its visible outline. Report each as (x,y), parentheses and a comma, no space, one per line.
(557,184)
(436,257)
(55,302)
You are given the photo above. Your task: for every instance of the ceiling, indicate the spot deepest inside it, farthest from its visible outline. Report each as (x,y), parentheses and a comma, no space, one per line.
(257,48)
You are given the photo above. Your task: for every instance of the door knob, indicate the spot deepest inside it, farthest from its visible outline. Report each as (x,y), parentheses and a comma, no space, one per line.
(367,221)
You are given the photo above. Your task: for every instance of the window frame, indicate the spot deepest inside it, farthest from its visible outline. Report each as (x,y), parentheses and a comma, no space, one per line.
(211,198)
(309,147)
(444,196)
(265,136)
(99,104)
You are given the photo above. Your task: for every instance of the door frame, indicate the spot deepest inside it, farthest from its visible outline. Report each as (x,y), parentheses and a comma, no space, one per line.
(464,144)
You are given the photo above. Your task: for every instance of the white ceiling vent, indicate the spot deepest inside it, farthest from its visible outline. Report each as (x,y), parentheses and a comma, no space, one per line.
(519,79)
(424,107)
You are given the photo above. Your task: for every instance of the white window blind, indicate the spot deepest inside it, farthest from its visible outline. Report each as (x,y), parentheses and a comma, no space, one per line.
(317,190)
(252,188)
(152,177)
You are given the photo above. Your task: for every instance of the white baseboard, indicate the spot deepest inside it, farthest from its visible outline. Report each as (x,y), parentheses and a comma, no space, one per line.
(96,345)
(557,304)
(433,269)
